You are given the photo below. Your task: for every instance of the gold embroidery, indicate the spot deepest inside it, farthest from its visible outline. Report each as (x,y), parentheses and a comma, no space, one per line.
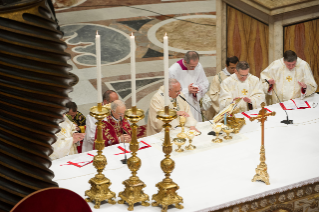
(63,131)
(288,78)
(244,92)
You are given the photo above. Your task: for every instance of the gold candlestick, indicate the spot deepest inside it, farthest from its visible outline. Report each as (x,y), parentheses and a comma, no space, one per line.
(167,188)
(261,170)
(133,191)
(99,184)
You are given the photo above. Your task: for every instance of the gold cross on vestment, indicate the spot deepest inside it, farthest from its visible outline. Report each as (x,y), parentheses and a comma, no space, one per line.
(244,92)
(288,78)
(63,131)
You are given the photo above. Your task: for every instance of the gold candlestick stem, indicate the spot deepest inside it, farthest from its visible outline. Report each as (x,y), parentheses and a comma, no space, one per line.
(99,183)
(133,191)
(261,170)
(167,188)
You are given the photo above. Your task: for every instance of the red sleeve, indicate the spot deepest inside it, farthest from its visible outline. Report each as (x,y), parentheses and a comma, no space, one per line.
(270,88)
(303,90)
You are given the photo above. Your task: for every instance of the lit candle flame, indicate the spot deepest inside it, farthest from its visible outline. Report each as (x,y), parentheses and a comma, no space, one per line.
(97,32)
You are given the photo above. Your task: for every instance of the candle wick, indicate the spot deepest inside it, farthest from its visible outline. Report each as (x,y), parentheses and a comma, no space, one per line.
(97,32)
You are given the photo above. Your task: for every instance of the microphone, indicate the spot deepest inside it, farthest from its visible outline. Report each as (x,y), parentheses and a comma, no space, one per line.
(211,132)
(283,121)
(124,161)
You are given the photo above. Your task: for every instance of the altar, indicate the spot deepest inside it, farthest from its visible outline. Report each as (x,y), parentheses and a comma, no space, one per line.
(217,176)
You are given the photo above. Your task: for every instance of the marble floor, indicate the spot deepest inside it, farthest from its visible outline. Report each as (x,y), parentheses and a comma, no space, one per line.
(190,25)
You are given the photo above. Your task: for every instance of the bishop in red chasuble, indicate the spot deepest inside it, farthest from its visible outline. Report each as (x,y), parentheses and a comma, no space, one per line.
(116,128)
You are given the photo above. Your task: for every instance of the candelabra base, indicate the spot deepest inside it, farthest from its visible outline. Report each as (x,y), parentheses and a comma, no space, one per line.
(261,174)
(167,195)
(133,193)
(100,191)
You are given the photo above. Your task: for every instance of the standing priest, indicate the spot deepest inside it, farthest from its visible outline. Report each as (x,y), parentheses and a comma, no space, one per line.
(155,125)
(290,77)
(242,85)
(191,75)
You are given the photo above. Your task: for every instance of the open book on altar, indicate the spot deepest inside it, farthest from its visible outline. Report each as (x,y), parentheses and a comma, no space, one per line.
(293,104)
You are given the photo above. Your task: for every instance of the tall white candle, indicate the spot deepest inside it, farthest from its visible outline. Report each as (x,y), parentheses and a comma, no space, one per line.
(166,86)
(98,67)
(133,71)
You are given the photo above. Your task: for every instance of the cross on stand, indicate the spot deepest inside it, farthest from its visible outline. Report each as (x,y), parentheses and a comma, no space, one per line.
(261,170)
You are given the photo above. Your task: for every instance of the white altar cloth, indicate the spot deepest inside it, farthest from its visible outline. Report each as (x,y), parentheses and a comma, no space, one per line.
(218,177)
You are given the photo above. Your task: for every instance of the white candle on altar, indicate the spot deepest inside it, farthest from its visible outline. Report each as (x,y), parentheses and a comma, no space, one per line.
(166,86)
(98,67)
(133,71)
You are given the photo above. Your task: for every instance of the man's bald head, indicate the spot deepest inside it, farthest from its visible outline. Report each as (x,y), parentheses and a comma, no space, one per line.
(109,96)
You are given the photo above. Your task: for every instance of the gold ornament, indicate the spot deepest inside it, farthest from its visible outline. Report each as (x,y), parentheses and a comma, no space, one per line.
(227,130)
(99,184)
(133,191)
(244,91)
(261,170)
(167,188)
(190,135)
(288,78)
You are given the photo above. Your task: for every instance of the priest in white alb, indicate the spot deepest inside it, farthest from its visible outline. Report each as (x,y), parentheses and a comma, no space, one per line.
(241,85)
(214,89)
(290,77)
(155,125)
(191,75)
(66,140)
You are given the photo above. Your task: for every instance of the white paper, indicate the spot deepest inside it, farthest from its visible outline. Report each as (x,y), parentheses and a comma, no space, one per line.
(290,105)
(300,103)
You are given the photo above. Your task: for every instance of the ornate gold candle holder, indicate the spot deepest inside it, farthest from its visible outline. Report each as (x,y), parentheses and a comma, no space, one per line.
(228,130)
(167,188)
(133,191)
(99,183)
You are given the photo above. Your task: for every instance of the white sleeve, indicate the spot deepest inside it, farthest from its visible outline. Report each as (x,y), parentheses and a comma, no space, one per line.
(202,83)
(90,134)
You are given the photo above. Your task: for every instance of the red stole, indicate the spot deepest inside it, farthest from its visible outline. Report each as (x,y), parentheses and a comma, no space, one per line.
(112,130)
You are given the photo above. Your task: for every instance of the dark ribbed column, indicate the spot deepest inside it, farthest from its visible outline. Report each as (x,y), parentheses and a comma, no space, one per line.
(34,87)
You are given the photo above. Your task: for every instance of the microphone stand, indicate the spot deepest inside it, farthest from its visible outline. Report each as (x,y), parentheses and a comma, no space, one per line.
(211,132)
(124,161)
(287,121)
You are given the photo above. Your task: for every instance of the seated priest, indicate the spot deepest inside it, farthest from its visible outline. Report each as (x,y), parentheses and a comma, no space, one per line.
(241,85)
(214,89)
(66,140)
(155,125)
(116,128)
(290,77)
(108,97)
(76,117)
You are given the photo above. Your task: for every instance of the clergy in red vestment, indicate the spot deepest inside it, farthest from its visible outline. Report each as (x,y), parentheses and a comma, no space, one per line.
(116,128)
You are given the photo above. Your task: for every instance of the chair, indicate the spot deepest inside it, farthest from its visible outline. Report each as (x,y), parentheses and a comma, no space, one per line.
(52,200)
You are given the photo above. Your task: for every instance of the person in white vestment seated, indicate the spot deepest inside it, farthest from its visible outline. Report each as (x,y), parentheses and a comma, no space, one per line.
(108,97)
(241,85)
(66,140)
(191,75)
(155,125)
(290,77)
(214,89)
